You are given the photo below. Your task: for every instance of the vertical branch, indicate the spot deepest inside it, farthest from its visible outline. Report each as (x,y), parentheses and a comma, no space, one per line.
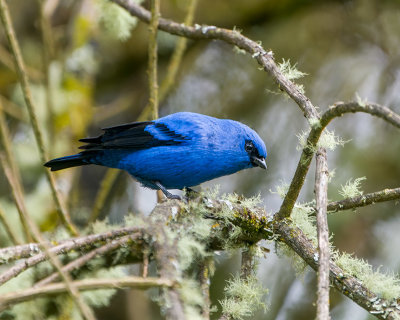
(204,277)
(153,85)
(247,267)
(153,81)
(174,63)
(177,55)
(23,77)
(321,192)
(168,265)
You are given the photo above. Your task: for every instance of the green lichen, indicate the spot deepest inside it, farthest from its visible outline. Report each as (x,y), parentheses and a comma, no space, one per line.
(192,299)
(386,286)
(281,189)
(116,20)
(352,188)
(290,71)
(243,297)
(330,141)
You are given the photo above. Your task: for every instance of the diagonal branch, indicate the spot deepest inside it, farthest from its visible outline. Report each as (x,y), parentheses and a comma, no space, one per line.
(83,260)
(23,77)
(264,58)
(9,299)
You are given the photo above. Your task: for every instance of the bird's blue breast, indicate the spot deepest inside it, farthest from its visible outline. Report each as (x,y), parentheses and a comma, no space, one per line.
(178,167)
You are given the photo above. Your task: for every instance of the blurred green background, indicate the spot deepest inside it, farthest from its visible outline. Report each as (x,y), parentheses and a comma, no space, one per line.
(347,48)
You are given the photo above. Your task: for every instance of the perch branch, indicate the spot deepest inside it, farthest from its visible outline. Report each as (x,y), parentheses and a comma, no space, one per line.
(256,226)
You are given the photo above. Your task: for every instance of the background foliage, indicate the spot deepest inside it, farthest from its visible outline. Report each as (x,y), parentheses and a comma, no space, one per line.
(97,78)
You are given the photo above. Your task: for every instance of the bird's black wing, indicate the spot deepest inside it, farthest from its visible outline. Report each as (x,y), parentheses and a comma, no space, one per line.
(134,136)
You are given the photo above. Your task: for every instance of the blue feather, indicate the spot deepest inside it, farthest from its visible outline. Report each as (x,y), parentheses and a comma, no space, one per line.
(177,151)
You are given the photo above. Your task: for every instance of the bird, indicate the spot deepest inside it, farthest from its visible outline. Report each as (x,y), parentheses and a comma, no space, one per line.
(178,151)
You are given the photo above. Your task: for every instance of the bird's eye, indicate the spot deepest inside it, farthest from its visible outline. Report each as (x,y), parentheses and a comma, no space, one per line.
(249,147)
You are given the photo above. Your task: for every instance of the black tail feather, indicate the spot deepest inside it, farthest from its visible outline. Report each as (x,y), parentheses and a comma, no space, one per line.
(67,162)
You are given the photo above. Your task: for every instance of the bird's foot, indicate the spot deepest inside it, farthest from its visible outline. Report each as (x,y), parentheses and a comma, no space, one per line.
(168,194)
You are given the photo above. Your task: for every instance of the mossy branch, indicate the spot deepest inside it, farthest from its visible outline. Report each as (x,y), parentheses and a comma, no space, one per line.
(364,200)
(308,151)
(255,225)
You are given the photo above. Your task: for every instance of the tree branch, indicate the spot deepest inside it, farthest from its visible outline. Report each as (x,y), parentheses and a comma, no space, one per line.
(83,260)
(307,154)
(18,252)
(256,225)
(9,299)
(364,200)
(321,194)
(23,77)
(264,58)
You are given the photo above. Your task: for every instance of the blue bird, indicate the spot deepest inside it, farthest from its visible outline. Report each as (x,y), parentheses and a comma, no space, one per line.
(178,151)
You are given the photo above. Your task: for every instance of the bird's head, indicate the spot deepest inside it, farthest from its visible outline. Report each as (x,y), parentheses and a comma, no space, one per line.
(257,152)
(255,148)
(252,148)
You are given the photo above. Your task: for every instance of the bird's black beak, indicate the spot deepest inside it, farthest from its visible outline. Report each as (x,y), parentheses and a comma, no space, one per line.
(259,162)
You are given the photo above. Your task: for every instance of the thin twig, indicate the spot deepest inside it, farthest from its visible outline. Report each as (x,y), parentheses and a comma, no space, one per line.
(321,195)
(16,192)
(81,261)
(104,190)
(26,251)
(7,227)
(7,59)
(12,109)
(177,55)
(9,299)
(152,71)
(36,235)
(174,63)
(14,177)
(23,77)
(364,200)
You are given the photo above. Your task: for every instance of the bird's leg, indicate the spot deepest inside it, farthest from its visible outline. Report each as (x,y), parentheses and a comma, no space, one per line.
(168,194)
